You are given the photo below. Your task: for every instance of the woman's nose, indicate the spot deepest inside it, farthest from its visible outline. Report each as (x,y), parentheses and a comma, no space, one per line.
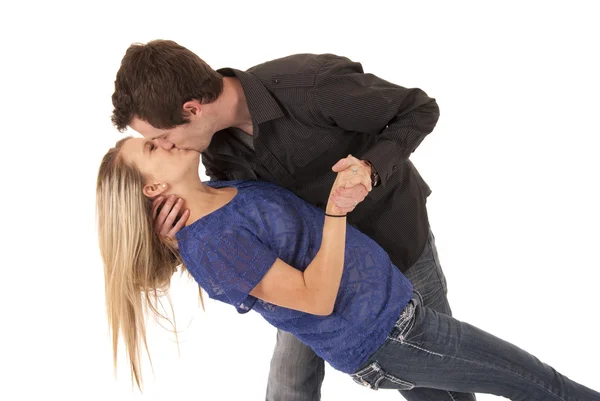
(163,143)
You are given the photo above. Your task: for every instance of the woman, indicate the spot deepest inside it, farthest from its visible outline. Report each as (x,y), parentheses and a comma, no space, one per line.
(258,246)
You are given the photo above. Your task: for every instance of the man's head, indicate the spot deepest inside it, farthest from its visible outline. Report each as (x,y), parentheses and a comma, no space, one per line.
(162,91)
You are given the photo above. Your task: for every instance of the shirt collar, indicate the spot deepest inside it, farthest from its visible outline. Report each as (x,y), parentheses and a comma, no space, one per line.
(261,104)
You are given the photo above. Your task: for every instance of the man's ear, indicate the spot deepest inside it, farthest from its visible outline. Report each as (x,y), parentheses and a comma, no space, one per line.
(153,190)
(192,108)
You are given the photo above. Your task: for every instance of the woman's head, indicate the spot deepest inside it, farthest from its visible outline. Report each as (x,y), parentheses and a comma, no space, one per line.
(138,265)
(164,171)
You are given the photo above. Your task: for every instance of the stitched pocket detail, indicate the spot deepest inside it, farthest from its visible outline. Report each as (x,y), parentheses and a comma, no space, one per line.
(374,377)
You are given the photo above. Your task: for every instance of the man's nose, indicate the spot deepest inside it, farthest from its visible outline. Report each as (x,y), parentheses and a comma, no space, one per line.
(163,143)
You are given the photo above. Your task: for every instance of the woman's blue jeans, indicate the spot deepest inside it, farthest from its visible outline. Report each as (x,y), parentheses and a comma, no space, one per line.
(428,349)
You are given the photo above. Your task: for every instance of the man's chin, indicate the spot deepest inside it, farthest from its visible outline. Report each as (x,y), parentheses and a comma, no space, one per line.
(191,150)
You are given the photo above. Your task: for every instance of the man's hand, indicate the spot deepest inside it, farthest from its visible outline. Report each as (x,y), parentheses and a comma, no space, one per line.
(357,188)
(166,220)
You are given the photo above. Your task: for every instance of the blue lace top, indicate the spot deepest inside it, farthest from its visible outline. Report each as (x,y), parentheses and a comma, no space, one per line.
(230,250)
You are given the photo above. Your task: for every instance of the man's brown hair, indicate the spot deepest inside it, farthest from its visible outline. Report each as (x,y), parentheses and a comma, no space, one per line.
(156,79)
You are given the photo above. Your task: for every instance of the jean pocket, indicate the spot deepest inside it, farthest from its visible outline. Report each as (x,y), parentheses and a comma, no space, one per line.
(374,377)
(405,322)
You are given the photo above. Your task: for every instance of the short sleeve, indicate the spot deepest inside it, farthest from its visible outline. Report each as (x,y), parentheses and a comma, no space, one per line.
(236,262)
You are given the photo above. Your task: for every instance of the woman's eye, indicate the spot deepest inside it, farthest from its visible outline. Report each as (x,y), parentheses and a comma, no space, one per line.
(152,147)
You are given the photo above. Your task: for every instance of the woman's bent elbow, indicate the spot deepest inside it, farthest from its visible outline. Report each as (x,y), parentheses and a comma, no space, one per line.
(322,310)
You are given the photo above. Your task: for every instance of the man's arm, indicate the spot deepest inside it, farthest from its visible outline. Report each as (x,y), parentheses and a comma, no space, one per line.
(400,117)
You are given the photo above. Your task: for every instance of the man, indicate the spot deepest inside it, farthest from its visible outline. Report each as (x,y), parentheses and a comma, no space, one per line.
(296,121)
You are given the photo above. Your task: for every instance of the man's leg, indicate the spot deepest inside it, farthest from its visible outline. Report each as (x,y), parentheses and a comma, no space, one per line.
(296,372)
(428,279)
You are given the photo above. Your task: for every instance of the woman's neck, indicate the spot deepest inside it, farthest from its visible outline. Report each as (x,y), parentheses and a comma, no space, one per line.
(203,200)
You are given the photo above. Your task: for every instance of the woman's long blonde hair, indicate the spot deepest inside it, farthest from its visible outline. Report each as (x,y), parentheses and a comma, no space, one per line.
(138,265)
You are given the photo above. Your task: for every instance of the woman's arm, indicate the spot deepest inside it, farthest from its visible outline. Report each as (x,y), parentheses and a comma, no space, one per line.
(314,290)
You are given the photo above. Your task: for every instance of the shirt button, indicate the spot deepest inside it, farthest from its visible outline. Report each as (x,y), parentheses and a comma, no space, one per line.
(275,81)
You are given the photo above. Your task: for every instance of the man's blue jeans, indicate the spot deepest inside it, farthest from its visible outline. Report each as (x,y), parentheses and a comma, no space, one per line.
(296,372)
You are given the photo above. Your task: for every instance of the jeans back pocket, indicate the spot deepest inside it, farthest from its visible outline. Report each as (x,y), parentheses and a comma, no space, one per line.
(374,377)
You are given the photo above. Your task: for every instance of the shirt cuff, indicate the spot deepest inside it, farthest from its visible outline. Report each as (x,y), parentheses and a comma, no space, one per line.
(384,158)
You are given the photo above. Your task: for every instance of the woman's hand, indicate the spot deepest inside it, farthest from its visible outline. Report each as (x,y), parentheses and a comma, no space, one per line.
(352,185)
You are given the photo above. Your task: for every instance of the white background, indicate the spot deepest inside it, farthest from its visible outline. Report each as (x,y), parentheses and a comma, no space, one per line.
(513,164)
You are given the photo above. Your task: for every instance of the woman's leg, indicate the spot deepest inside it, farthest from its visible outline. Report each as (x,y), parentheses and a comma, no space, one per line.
(433,350)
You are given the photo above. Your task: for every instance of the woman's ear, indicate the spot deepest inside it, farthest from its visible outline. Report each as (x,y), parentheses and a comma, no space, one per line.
(153,190)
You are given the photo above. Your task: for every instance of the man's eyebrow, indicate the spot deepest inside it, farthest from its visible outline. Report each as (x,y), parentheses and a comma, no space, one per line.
(158,136)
